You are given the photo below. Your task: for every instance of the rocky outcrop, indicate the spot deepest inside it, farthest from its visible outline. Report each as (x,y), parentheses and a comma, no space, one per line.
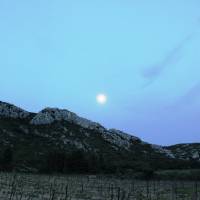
(186,151)
(123,135)
(163,150)
(50,115)
(10,111)
(119,138)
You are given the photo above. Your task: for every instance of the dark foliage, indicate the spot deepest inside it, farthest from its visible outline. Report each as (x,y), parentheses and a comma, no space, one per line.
(7,160)
(42,149)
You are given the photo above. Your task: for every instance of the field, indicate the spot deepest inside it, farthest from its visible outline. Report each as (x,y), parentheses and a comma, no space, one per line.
(42,187)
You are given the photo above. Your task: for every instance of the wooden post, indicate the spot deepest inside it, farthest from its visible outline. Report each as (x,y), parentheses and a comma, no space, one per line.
(118,193)
(196,191)
(66,192)
(112,195)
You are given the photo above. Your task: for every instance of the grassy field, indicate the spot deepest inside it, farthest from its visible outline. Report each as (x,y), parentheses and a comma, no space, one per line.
(42,187)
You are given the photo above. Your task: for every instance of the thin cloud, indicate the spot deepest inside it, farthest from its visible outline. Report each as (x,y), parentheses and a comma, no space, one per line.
(188,98)
(191,96)
(153,72)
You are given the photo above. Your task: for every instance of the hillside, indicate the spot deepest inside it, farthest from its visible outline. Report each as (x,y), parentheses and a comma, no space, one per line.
(57,140)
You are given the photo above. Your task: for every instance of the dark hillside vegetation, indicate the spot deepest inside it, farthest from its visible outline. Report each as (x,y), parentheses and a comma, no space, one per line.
(41,149)
(81,146)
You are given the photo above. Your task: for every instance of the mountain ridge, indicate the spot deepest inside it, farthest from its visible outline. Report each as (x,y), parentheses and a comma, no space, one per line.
(62,130)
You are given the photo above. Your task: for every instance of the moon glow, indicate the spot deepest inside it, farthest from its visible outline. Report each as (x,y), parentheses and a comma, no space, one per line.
(101,98)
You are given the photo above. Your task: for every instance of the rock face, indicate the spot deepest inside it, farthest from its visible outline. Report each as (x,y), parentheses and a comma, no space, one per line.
(119,138)
(186,151)
(11,111)
(50,115)
(163,150)
(123,135)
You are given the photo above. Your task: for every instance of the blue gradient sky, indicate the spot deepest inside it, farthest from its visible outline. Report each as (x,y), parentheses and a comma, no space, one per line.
(145,55)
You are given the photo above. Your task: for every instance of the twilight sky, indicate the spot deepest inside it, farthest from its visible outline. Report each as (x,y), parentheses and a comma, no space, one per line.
(145,55)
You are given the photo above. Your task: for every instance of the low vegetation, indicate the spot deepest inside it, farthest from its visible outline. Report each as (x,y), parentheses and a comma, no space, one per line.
(90,187)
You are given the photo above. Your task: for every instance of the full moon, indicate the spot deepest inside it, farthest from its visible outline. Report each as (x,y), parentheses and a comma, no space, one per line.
(101,98)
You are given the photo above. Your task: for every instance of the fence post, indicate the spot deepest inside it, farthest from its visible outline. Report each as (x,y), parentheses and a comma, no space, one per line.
(66,192)
(112,195)
(147,189)
(118,193)
(196,191)
(172,192)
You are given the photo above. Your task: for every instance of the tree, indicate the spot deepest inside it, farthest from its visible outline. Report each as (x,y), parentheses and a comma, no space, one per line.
(76,162)
(55,162)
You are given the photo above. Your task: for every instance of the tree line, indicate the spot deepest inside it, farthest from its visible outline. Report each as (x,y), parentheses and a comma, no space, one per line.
(80,162)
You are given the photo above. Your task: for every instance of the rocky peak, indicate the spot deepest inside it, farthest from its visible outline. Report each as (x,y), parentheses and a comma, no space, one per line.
(50,115)
(123,135)
(10,111)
